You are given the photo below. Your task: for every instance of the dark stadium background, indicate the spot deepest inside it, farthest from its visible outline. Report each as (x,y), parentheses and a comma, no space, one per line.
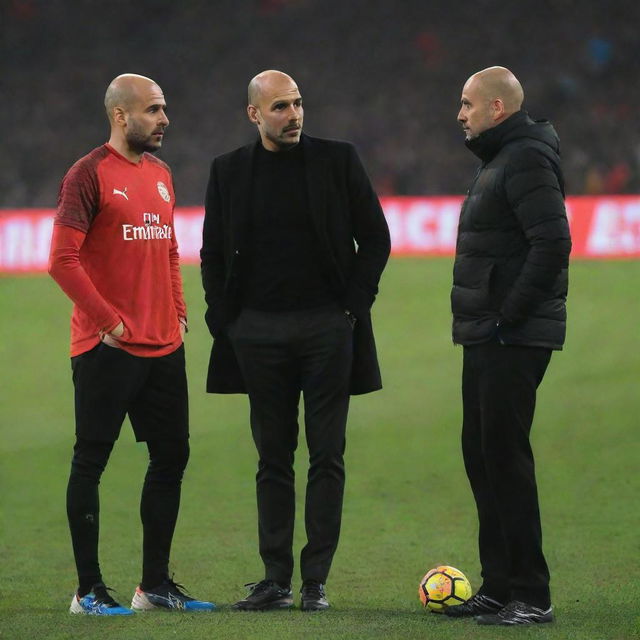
(384,74)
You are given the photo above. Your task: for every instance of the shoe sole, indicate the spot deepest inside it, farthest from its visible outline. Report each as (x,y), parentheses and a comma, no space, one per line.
(528,623)
(496,621)
(272,606)
(474,614)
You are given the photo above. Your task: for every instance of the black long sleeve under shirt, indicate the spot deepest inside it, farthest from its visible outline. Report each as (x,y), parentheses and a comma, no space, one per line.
(284,271)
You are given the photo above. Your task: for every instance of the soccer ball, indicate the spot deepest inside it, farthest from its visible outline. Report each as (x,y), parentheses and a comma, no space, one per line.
(444,587)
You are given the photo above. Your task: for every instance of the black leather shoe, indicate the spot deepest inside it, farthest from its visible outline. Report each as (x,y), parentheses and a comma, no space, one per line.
(474,606)
(313,596)
(265,595)
(517,612)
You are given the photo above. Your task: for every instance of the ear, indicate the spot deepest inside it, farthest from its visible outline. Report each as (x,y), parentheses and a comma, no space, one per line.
(497,108)
(119,116)
(252,113)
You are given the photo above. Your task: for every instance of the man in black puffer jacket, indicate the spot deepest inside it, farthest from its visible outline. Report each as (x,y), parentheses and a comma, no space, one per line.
(508,303)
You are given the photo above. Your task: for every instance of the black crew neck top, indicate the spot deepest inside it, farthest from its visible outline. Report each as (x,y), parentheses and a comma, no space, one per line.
(284,271)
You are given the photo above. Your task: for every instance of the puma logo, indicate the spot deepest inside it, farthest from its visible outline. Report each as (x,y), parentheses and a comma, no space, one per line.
(121,193)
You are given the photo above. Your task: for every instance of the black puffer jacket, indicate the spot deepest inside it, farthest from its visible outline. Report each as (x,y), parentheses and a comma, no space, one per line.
(512,254)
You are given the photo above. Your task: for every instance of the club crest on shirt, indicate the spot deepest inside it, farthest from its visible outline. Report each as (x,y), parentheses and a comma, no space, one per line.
(164,192)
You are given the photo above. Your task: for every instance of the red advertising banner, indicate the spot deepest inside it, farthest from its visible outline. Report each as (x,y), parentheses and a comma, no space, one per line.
(601,227)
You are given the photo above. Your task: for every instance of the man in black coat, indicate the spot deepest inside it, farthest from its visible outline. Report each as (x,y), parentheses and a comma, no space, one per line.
(294,244)
(508,302)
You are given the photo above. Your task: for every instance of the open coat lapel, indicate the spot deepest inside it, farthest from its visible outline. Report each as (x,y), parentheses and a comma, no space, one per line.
(317,172)
(241,194)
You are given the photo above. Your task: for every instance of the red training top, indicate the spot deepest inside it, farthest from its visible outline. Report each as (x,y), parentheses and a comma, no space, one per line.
(114,253)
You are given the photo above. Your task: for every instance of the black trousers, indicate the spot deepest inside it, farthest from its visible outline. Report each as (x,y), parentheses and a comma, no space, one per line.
(499,386)
(109,385)
(159,505)
(282,354)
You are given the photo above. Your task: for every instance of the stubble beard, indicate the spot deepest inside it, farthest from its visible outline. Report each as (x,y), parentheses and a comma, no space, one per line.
(139,143)
(285,144)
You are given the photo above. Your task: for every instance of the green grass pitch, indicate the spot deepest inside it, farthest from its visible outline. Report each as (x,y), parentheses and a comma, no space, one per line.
(407,506)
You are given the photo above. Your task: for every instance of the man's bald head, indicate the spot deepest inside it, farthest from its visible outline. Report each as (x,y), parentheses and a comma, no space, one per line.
(498,83)
(269,82)
(136,109)
(125,90)
(488,98)
(275,107)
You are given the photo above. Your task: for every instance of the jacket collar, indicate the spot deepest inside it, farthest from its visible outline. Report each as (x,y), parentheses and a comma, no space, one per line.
(489,142)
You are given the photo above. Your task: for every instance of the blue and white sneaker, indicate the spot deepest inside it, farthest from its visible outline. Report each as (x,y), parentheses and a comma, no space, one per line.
(168,596)
(98,603)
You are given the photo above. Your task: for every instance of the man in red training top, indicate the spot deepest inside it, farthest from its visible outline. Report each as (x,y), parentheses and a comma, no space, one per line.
(114,253)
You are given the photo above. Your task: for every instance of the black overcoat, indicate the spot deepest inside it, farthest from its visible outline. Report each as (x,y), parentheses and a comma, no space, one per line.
(352,235)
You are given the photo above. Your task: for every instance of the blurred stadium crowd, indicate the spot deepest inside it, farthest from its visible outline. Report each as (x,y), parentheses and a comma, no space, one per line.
(385,74)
